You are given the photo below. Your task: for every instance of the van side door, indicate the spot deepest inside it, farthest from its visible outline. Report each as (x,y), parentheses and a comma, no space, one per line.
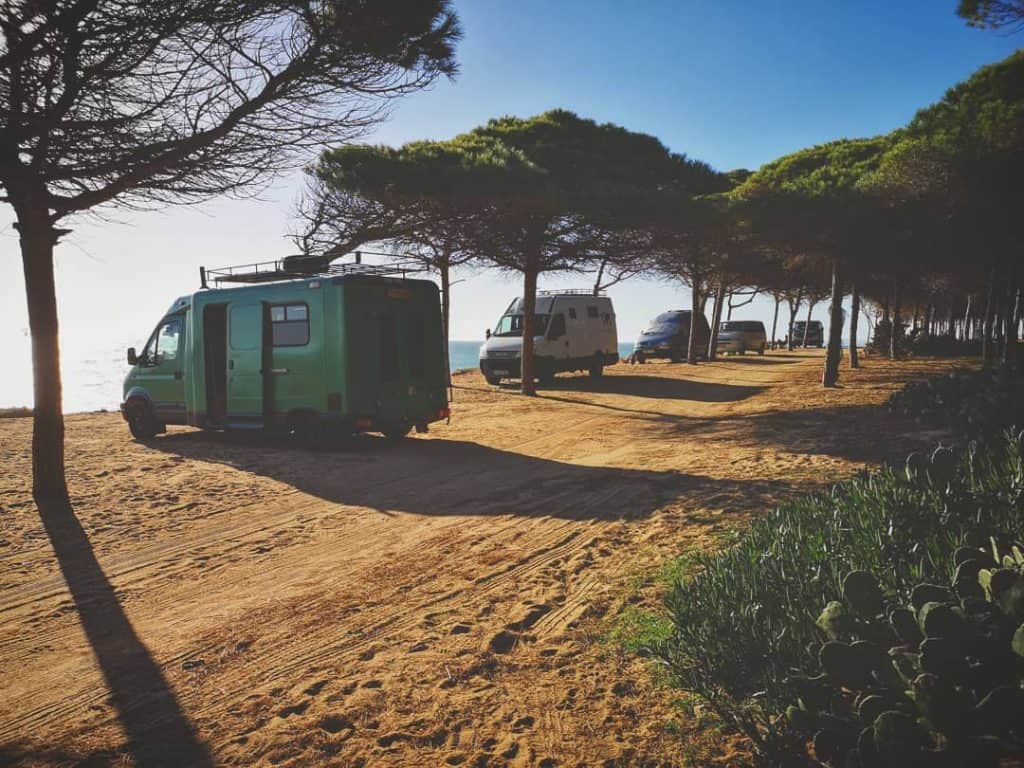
(246,355)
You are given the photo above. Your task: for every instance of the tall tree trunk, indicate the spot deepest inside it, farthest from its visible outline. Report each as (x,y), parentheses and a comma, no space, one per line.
(987,354)
(807,325)
(600,274)
(775,321)
(967,318)
(529,311)
(793,308)
(728,311)
(691,343)
(854,320)
(444,269)
(917,310)
(897,321)
(716,320)
(830,376)
(1010,317)
(38,238)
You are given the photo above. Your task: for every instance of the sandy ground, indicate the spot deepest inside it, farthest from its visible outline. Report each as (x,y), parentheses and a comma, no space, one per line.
(218,599)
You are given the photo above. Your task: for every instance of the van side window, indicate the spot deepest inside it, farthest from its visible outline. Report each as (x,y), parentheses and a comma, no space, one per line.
(557,328)
(417,347)
(572,313)
(388,348)
(289,325)
(591,311)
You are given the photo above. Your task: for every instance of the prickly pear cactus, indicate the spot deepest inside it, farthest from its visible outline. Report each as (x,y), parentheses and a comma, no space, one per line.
(939,682)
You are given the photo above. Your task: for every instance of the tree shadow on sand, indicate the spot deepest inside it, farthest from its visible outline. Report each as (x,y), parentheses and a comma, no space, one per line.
(159,733)
(454,477)
(863,433)
(654,387)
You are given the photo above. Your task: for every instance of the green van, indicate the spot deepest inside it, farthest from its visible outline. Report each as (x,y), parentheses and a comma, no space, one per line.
(336,352)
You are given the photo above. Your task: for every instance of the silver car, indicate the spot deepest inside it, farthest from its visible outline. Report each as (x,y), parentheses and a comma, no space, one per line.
(741,336)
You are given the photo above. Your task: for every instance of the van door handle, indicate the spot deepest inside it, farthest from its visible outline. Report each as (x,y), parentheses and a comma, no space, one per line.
(231,365)
(279,370)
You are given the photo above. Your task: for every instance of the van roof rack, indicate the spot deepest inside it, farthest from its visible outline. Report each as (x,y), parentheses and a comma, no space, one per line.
(571,292)
(296,268)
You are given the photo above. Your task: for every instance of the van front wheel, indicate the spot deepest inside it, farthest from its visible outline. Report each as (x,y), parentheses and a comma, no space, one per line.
(141,421)
(596,370)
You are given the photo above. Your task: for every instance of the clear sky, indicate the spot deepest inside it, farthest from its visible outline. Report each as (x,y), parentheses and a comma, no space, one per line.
(732,83)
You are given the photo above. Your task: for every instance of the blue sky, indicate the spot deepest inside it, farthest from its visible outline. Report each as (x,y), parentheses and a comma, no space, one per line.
(732,83)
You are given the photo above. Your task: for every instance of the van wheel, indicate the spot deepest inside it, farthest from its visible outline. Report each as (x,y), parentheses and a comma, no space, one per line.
(492,380)
(674,358)
(141,421)
(396,431)
(596,371)
(761,350)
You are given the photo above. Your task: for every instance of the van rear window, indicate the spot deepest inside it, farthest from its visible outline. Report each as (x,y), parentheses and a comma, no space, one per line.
(289,325)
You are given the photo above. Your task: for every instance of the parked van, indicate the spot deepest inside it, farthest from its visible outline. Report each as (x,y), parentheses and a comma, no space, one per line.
(669,334)
(815,333)
(741,336)
(575,331)
(347,350)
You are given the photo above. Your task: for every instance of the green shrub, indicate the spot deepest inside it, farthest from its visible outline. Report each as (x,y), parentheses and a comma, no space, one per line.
(746,620)
(975,405)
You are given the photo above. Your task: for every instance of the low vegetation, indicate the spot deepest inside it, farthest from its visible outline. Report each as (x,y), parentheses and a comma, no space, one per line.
(746,619)
(975,405)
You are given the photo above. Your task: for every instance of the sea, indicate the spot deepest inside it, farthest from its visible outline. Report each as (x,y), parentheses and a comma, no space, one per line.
(92,372)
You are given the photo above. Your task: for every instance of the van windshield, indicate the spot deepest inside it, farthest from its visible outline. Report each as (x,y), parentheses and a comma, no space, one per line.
(512,325)
(667,322)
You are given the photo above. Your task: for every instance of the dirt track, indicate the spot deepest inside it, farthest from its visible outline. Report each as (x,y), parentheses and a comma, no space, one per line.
(220,600)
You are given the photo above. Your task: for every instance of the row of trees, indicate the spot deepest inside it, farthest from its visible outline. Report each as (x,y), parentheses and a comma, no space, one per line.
(924,217)
(133,103)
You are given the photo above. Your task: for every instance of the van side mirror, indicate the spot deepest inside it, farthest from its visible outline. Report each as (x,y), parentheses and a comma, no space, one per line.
(487,333)
(133,357)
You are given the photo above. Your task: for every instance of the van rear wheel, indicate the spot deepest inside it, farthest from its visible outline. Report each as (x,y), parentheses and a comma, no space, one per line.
(396,431)
(596,370)
(492,380)
(141,421)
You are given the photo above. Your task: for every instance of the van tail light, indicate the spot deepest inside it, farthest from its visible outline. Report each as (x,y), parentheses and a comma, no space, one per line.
(444,413)
(364,424)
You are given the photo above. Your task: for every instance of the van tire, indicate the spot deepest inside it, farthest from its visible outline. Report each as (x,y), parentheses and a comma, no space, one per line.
(141,421)
(492,380)
(596,370)
(396,431)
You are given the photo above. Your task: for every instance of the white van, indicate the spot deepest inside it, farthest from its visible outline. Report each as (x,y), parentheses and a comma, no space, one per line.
(575,331)
(739,336)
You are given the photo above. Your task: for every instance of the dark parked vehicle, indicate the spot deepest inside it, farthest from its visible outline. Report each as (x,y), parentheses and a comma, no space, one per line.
(669,334)
(815,334)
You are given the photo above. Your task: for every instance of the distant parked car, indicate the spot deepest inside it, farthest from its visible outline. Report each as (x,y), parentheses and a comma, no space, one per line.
(815,334)
(740,336)
(668,336)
